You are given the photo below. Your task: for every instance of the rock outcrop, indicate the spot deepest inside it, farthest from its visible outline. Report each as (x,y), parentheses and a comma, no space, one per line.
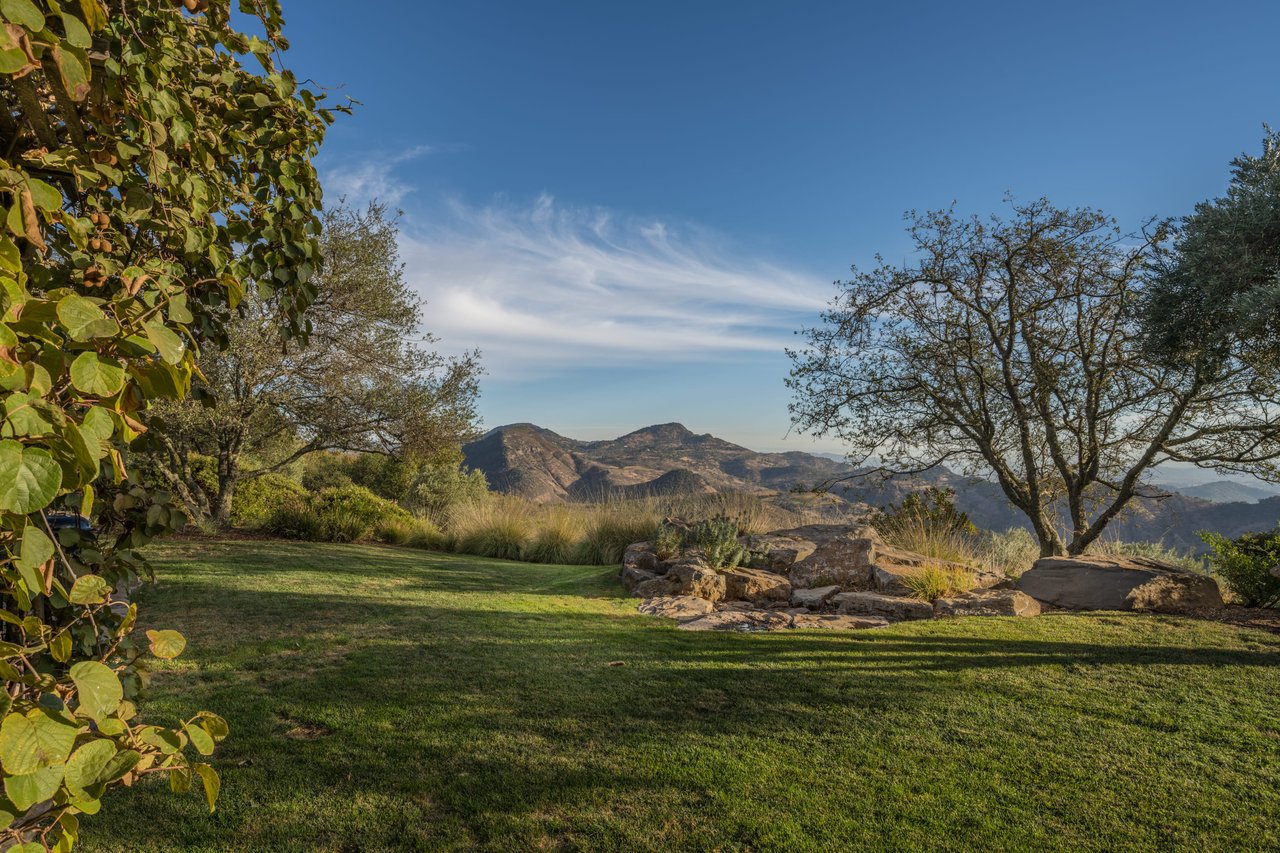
(1118,583)
(840,577)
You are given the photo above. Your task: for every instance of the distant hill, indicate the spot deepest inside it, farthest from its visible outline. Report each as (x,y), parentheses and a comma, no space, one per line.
(1226,491)
(668,459)
(664,459)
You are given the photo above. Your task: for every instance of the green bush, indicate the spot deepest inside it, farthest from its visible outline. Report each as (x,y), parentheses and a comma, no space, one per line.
(438,489)
(928,523)
(717,538)
(1012,552)
(1246,564)
(668,541)
(257,499)
(346,514)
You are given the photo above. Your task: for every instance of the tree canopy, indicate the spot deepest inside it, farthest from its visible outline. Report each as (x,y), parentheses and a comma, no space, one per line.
(155,164)
(1216,287)
(1013,348)
(366,380)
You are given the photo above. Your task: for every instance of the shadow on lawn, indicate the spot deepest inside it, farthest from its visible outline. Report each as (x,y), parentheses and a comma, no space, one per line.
(467,713)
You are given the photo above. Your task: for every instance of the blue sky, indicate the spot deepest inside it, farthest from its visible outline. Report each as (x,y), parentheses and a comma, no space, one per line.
(629,207)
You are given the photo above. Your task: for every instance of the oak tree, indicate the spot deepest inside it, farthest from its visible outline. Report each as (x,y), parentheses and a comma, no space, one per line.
(1012,348)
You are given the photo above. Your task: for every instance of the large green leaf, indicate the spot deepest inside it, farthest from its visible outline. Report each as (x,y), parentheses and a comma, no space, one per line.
(29,478)
(99,688)
(34,740)
(166,644)
(23,12)
(212,784)
(89,589)
(97,375)
(200,739)
(84,320)
(86,765)
(37,549)
(168,344)
(27,790)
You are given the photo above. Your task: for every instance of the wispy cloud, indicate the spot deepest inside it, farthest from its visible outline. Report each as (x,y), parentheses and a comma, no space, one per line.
(542,287)
(372,178)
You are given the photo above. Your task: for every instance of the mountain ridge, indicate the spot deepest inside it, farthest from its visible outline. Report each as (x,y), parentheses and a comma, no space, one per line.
(669,459)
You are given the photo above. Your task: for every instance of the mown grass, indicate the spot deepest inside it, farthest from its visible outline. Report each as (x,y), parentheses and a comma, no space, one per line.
(390,699)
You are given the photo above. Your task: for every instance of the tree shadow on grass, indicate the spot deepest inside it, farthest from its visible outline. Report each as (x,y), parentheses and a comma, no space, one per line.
(467,721)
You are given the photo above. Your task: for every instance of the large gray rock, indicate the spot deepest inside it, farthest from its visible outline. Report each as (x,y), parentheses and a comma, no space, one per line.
(639,555)
(632,576)
(739,620)
(654,588)
(755,585)
(888,606)
(988,602)
(781,551)
(1118,583)
(844,561)
(813,598)
(694,577)
(836,621)
(677,607)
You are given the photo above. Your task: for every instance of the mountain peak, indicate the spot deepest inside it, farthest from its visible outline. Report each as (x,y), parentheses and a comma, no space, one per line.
(664,432)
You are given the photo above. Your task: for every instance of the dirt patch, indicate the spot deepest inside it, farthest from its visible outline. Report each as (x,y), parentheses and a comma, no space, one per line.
(303,731)
(1263,618)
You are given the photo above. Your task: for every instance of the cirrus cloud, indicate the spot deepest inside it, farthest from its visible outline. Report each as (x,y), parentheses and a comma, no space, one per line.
(543,287)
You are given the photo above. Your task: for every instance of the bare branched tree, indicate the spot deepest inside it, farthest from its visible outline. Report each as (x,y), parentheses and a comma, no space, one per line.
(1013,349)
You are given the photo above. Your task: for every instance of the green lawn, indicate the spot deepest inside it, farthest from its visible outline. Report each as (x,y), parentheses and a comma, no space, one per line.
(387,699)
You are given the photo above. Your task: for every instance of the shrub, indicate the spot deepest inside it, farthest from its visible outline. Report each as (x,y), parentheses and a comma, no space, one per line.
(346,514)
(1246,564)
(327,470)
(717,538)
(294,522)
(928,523)
(668,541)
(933,582)
(255,500)
(439,489)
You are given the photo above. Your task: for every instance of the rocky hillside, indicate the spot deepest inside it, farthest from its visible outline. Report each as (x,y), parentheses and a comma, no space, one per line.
(663,459)
(668,459)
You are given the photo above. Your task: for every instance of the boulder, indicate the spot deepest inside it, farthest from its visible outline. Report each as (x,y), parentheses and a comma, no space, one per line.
(677,607)
(988,602)
(654,588)
(837,621)
(632,576)
(888,606)
(781,551)
(639,555)
(694,577)
(843,561)
(756,585)
(1118,583)
(813,598)
(738,620)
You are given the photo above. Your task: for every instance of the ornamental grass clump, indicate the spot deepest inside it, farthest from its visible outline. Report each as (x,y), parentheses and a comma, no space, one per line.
(559,530)
(499,529)
(934,581)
